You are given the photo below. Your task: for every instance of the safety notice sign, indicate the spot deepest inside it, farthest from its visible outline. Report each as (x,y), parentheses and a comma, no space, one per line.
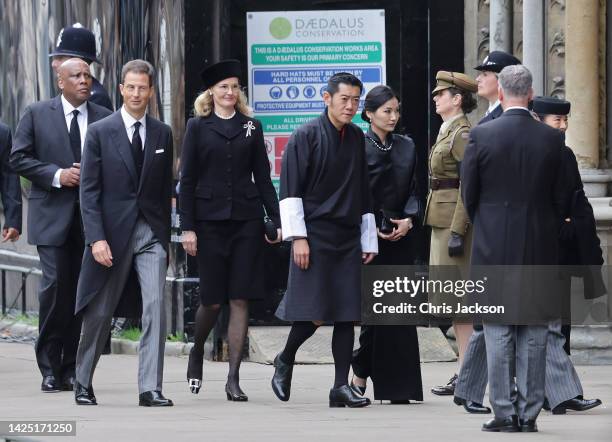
(291,56)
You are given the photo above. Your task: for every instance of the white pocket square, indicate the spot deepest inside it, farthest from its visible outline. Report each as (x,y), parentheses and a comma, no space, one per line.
(159,151)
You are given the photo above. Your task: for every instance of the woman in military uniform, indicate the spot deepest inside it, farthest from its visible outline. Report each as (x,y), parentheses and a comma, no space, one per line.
(450,227)
(389,354)
(225,183)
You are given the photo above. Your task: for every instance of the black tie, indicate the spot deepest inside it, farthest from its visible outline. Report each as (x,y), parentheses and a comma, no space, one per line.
(75,137)
(137,148)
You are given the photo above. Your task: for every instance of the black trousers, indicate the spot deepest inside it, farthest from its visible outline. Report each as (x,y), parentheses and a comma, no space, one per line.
(58,327)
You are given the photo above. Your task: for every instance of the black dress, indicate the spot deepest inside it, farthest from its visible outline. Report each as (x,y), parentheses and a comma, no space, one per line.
(225,185)
(389,354)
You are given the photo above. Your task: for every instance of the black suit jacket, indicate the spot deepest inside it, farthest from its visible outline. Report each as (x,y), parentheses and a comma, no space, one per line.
(217,171)
(9,183)
(511,184)
(99,95)
(495,113)
(112,196)
(41,146)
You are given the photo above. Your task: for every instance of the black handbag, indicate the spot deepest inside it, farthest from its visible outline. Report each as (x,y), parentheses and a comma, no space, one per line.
(386,225)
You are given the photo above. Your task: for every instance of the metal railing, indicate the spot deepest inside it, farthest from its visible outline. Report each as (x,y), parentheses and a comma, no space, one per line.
(25,272)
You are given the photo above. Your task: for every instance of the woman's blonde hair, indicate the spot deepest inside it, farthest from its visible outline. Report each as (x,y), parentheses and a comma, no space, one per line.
(204,105)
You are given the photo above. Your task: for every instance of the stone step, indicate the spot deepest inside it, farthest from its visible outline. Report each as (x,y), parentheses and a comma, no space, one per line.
(266,341)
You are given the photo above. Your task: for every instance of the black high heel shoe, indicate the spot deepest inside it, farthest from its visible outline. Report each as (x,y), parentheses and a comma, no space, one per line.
(358,388)
(238,396)
(194,371)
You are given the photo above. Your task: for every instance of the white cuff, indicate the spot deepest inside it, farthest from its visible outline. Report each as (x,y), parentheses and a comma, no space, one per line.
(292,218)
(56,179)
(369,239)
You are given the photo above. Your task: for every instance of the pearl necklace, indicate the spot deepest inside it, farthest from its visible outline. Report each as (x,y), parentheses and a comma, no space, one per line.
(383,147)
(226,118)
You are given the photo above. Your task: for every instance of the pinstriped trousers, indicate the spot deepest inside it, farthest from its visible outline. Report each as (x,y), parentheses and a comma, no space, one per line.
(148,257)
(523,346)
(562,381)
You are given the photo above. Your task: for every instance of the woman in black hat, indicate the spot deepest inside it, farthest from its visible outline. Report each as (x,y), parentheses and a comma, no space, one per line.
(225,183)
(389,355)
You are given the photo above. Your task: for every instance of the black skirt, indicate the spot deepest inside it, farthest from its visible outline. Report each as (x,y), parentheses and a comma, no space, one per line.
(230,260)
(329,290)
(389,354)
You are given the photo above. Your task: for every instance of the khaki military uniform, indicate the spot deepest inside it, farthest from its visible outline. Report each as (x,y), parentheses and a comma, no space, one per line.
(445,211)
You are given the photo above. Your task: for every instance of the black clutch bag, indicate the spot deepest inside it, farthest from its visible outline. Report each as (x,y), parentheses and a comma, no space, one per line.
(270,227)
(386,225)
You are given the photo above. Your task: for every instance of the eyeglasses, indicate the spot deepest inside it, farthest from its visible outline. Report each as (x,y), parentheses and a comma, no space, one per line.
(224,88)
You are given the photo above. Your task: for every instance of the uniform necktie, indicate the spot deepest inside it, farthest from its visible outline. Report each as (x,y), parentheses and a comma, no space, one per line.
(137,150)
(75,137)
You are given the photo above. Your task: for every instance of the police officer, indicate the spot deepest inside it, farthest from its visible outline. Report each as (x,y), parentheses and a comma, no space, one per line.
(76,41)
(487,81)
(450,226)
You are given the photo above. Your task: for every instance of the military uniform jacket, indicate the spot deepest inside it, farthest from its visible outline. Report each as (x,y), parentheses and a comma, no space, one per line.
(444,206)
(219,161)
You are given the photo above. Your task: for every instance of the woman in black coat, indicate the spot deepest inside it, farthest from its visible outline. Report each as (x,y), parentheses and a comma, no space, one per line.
(389,354)
(225,183)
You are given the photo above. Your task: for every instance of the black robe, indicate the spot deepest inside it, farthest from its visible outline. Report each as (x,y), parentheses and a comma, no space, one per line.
(389,354)
(324,173)
(579,248)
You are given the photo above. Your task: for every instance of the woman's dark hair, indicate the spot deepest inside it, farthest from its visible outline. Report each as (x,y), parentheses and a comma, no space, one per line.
(468,101)
(376,98)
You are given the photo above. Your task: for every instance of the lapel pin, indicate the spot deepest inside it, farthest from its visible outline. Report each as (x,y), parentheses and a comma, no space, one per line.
(249,127)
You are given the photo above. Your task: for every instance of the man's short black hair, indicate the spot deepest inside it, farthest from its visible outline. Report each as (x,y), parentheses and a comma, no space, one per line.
(343,77)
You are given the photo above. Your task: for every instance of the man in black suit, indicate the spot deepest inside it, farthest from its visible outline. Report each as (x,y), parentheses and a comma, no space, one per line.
(76,41)
(512,191)
(10,189)
(471,383)
(47,151)
(126,189)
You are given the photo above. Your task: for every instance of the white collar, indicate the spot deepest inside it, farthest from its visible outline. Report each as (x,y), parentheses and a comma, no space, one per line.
(447,123)
(493,106)
(129,121)
(516,107)
(68,108)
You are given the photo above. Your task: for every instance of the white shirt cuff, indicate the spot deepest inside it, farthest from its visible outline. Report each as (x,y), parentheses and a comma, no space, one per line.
(292,218)
(56,179)
(369,239)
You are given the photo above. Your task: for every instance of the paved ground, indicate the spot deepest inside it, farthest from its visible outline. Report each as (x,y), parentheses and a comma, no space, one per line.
(210,417)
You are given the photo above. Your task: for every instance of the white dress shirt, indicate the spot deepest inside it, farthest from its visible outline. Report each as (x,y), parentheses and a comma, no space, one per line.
(81,121)
(129,122)
(491,107)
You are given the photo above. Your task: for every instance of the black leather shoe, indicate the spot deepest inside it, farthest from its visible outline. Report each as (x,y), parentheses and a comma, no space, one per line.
(529,426)
(446,390)
(68,383)
(83,395)
(345,396)
(194,371)
(281,381)
(508,424)
(576,404)
(49,385)
(235,396)
(358,388)
(153,398)
(471,407)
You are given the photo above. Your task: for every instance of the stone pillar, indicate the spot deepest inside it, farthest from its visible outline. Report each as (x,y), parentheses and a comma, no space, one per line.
(582,79)
(533,43)
(501,25)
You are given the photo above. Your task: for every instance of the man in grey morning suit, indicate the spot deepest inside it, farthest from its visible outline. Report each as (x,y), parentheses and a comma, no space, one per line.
(126,189)
(47,151)
(511,188)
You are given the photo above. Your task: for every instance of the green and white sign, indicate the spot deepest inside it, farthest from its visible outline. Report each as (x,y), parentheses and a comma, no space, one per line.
(291,56)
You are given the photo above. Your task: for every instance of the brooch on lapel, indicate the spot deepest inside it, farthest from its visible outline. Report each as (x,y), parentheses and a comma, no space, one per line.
(249,127)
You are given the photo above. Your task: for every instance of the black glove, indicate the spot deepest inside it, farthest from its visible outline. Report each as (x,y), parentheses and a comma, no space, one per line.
(567,231)
(455,245)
